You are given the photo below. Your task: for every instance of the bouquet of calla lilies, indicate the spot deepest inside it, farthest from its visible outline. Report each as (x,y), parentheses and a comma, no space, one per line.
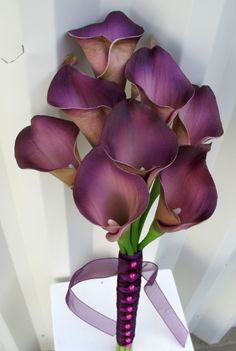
(150,144)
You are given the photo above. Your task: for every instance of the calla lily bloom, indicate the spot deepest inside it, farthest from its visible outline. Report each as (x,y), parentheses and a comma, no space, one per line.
(188,193)
(49,145)
(199,119)
(137,138)
(85,99)
(108,45)
(107,195)
(160,81)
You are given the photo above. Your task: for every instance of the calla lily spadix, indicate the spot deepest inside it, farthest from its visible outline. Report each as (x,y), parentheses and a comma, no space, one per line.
(49,145)
(109,44)
(86,100)
(137,138)
(107,195)
(199,120)
(160,81)
(188,193)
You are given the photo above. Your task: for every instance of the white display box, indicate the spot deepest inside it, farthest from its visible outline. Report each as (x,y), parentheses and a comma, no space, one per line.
(72,334)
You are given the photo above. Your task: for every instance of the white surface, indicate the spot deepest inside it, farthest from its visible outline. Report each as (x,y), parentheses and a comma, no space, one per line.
(45,236)
(72,334)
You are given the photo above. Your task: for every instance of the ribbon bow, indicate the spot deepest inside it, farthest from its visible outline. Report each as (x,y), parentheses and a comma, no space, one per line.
(108,267)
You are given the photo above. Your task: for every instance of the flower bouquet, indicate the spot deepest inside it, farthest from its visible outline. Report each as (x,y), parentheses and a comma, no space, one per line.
(145,145)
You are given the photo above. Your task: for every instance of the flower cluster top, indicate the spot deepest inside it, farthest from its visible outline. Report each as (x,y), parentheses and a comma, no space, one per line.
(158,135)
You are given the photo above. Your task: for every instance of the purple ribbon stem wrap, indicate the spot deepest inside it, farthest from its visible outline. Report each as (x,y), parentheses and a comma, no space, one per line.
(128,290)
(108,267)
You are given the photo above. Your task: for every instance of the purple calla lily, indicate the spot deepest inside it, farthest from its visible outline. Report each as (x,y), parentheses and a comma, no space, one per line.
(49,145)
(188,194)
(108,45)
(160,81)
(137,138)
(107,195)
(85,99)
(199,119)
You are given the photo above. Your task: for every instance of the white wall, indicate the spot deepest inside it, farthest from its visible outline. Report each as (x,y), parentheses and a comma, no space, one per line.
(43,240)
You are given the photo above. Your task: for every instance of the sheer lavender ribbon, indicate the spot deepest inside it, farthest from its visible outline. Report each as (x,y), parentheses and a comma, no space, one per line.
(108,267)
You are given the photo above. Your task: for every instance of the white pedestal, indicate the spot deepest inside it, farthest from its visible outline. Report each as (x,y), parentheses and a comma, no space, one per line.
(72,334)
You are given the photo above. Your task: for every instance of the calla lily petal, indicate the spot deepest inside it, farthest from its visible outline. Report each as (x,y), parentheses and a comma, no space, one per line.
(135,136)
(108,196)
(188,194)
(199,119)
(161,82)
(109,44)
(85,99)
(49,145)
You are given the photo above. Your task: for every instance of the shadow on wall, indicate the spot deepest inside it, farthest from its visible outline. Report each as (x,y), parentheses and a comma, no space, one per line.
(154,31)
(72,17)
(12,305)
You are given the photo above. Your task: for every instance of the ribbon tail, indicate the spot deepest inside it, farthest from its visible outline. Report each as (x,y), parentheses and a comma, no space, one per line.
(101,268)
(162,305)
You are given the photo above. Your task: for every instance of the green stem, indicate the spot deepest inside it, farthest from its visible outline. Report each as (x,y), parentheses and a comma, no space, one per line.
(152,234)
(137,226)
(121,247)
(125,244)
(123,348)
(128,243)
(153,195)
(134,237)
